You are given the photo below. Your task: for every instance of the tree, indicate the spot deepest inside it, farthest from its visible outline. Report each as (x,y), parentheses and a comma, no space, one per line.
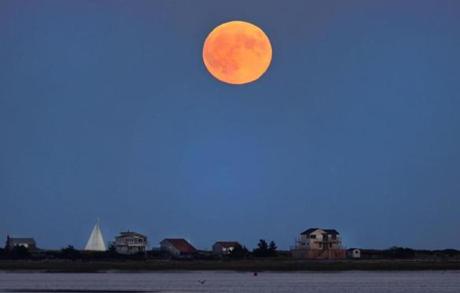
(262,249)
(262,245)
(239,252)
(70,253)
(272,248)
(112,251)
(400,252)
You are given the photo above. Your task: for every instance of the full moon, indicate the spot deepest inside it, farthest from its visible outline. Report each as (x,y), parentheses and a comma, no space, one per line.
(237,52)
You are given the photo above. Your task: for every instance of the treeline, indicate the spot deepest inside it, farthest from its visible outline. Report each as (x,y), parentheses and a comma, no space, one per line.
(408,253)
(264,249)
(71,253)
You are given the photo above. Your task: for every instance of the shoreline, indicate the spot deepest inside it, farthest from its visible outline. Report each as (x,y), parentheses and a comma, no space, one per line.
(273,265)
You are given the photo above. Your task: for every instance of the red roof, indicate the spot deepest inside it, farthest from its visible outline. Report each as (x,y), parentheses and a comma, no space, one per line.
(182,245)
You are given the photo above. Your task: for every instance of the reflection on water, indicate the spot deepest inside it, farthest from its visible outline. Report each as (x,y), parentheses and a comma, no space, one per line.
(317,282)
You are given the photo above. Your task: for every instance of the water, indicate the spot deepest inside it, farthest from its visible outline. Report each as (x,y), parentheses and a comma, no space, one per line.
(317,282)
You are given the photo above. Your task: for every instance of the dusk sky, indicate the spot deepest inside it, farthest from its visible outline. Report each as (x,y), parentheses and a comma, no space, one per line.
(107,111)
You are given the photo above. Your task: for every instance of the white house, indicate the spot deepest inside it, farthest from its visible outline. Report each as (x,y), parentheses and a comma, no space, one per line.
(354,253)
(319,243)
(130,243)
(317,238)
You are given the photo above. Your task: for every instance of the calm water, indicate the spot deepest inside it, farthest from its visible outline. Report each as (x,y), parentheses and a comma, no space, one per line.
(404,282)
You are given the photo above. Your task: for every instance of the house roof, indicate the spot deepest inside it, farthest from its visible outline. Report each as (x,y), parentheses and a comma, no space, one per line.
(181,244)
(328,231)
(351,249)
(130,234)
(16,241)
(332,231)
(228,244)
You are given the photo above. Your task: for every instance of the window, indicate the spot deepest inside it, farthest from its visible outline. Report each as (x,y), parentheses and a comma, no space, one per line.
(313,236)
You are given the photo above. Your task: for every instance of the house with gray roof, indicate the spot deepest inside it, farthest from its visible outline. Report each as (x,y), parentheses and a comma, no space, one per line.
(12,242)
(130,243)
(319,243)
(225,247)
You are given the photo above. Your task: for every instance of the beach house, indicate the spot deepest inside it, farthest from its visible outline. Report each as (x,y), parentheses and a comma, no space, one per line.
(178,247)
(129,243)
(319,243)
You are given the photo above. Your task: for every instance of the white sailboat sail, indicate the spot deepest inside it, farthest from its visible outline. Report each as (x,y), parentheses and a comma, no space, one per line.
(96,241)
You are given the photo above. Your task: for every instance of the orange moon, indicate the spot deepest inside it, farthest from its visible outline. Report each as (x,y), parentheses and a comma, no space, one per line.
(237,52)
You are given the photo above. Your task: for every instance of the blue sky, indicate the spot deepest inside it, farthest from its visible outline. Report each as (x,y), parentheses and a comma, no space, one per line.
(106,110)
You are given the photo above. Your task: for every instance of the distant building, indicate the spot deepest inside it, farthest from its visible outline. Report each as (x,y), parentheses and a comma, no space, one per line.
(318,243)
(354,253)
(130,243)
(96,240)
(225,247)
(316,238)
(177,247)
(28,243)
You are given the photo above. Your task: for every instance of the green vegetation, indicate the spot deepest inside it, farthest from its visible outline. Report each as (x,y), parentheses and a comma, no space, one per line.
(18,252)
(266,257)
(239,253)
(260,264)
(265,250)
(70,253)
